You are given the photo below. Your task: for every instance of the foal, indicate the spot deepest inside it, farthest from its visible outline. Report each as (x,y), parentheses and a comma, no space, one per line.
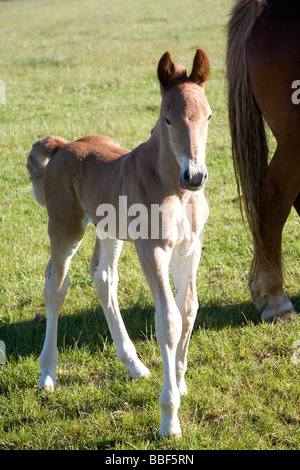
(77,182)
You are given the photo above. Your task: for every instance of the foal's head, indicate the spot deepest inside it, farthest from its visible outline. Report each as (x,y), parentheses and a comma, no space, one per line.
(185,113)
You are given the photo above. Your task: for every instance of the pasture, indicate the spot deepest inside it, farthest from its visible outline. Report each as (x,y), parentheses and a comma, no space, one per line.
(76,68)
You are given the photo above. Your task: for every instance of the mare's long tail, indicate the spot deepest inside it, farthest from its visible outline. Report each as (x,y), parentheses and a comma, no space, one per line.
(249,143)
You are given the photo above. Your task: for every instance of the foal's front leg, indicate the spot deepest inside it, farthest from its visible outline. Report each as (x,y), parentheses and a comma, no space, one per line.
(155,262)
(184,264)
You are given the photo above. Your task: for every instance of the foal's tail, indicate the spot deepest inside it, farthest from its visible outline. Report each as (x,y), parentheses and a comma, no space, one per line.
(249,144)
(39,156)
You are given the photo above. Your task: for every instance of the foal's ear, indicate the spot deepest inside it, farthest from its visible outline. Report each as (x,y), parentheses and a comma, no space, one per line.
(200,70)
(166,69)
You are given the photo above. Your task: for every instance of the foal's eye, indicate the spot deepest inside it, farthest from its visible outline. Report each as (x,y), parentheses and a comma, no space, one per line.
(168,122)
(209,117)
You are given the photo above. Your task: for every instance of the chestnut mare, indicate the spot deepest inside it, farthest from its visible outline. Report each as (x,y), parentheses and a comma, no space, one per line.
(74,180)
(262,64)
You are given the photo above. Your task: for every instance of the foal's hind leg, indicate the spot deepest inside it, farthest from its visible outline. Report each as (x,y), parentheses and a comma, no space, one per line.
(103,269)
(56,286)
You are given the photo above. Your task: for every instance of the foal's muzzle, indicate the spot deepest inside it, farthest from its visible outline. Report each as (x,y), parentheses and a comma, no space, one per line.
(195,181)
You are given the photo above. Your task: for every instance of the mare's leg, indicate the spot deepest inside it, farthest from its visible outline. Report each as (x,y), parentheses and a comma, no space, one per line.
(103,269)
(272,52)
(56,286)
(279,191)
(297,204)
(155,262)
(184,264)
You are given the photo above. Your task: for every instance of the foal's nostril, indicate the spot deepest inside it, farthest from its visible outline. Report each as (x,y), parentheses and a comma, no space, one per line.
(195,180)
(198,180)
(186,176)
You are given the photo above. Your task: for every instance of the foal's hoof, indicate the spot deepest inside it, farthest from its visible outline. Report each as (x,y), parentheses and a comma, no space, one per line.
(137,370)
(170,428)
(47,382)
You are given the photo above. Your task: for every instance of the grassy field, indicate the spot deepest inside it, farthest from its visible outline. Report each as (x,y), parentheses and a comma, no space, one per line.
(73,68)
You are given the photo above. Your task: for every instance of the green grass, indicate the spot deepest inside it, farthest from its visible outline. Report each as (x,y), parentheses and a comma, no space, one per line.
(73,70)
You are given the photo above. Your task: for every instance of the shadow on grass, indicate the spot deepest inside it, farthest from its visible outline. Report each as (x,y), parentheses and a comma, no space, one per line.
(89,327)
